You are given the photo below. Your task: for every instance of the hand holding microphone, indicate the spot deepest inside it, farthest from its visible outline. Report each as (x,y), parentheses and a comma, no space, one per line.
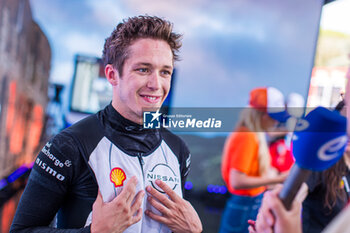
(319,142)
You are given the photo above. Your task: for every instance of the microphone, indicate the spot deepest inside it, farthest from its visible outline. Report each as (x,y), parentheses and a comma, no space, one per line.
(319,142)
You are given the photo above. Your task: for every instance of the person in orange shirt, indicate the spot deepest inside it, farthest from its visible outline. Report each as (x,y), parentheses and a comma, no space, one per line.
(246,159)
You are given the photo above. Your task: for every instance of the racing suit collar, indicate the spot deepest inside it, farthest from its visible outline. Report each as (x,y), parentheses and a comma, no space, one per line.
(132,138)
(118,122)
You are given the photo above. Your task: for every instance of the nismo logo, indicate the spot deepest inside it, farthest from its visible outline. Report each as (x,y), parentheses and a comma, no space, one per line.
(164,173)
(49,170)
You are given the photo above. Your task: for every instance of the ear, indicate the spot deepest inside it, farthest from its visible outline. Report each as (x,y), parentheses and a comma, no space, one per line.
(112,74)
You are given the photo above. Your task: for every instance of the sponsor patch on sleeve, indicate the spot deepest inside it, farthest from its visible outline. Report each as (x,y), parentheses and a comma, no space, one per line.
(50,163)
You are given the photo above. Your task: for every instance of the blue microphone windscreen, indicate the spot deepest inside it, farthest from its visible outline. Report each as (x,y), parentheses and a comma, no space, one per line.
(320,139)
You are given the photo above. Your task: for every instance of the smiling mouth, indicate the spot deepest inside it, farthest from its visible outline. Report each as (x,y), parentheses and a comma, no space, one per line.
(151,99)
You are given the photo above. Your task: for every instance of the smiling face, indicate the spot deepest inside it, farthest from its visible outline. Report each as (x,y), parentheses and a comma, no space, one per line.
(145,80)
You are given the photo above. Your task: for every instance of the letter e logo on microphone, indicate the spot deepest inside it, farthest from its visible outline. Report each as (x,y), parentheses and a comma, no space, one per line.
(332,149)
(301,125)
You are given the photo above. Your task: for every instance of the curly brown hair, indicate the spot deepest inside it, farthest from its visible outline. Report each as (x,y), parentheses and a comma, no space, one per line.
(116,46)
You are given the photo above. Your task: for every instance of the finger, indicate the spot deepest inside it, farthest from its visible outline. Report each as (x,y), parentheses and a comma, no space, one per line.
(171,193)
(261,223)
(137,217)
(266,214)
(296,207)
(263,206)
(269,218)
(99,197)
(275,204)
(138,201)
(128,192)
(156,217)
(277,189)
(161,208)
(263,203)
(162,198)
(251,229)
(262,226)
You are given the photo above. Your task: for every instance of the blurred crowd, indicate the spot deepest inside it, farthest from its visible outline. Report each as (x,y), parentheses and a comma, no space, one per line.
(258,157)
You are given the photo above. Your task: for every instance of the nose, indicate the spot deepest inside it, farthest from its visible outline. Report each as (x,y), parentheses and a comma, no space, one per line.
(154,81)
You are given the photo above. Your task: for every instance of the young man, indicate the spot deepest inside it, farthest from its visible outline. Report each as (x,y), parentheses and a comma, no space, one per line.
(137,174)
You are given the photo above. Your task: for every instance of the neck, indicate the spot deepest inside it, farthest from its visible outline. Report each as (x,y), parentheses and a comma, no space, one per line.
(136,119)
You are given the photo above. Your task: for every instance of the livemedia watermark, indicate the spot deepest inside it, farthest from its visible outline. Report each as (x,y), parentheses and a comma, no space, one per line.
(213,119)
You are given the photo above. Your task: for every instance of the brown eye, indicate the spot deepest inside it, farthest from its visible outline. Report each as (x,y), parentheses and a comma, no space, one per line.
(166,73)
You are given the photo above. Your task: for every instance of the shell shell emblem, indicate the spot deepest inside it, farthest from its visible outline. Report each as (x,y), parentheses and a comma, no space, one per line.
(117,176)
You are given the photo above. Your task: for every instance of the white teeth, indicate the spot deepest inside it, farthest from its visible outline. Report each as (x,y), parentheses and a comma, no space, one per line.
(151,98)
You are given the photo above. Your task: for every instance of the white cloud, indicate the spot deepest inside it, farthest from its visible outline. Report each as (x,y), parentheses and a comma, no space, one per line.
(107,12)
(83,44)
(190,18)
(207,74)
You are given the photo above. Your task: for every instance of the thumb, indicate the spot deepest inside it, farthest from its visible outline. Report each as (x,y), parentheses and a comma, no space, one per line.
(296,206)
(99,199)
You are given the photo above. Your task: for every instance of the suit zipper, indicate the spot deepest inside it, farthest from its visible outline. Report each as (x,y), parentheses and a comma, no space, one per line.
(139,156)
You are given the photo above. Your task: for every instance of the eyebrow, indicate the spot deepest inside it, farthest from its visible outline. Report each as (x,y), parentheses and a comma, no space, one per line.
(150,65)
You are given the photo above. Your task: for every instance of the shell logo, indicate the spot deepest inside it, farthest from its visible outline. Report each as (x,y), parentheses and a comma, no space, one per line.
(117,176)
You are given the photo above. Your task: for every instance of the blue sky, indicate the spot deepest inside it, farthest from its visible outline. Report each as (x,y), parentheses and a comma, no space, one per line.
(229,47)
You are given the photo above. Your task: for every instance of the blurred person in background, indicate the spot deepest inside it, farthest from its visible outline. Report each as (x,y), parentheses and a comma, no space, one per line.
(281,155)
(246,159)
(326,192)
(327,195)
(280,141)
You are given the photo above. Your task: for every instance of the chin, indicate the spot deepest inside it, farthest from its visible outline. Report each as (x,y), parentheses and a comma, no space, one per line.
(156,106)
(150,108)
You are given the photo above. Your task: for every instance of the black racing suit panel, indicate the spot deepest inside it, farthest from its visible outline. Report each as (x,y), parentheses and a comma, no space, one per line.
(52,185)
(62,181)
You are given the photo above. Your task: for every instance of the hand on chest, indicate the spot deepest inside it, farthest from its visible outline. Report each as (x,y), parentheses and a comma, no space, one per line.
(113,168)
